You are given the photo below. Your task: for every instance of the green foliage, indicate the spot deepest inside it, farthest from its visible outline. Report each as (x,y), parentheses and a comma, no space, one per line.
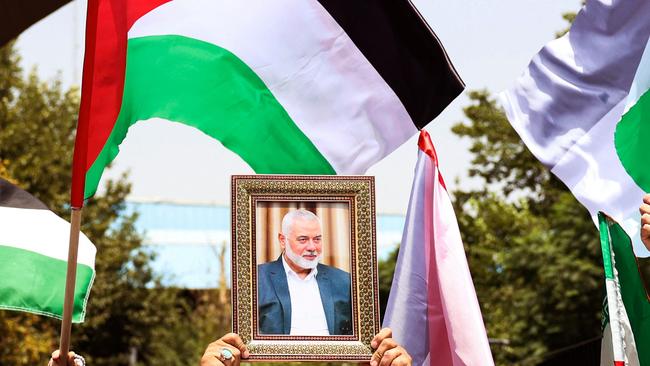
(26,339)
(127,307)
(386,271)
(532,248)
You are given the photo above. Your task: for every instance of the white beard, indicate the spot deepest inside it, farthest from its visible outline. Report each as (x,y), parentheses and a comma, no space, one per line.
(299,260)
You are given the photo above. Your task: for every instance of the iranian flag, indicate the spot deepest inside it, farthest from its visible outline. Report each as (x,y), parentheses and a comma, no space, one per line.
(34,255)
(291,86)
(583,109)
(626,311)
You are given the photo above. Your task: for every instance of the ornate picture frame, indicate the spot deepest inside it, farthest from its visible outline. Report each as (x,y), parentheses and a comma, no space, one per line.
(350,197)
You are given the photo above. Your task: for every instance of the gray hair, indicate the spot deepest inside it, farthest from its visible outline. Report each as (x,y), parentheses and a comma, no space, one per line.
(291,216)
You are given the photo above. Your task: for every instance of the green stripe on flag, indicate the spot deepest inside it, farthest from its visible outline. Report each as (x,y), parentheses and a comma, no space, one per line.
(205,86)
(633,292)
(604,245)
(36,283)
(631,140)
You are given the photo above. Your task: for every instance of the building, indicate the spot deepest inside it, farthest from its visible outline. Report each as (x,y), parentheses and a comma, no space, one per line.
(187,239)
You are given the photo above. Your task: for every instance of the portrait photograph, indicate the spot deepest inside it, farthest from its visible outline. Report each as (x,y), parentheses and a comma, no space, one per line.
(304,267)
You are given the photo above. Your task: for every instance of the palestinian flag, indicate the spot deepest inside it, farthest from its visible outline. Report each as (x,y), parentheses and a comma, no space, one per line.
(584,110)
(626,311)
(34,255)
(291,86)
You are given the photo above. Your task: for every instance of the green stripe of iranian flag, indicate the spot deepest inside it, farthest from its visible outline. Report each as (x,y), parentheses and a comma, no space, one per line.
(33,262)
(617,325)
(627,316)
(179,53)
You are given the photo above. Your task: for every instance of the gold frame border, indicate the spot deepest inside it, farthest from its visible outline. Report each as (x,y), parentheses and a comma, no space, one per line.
(360,191)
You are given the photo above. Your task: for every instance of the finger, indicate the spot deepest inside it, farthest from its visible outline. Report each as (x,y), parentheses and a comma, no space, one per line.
(233,359)
(383,334)
(211,358)
(54,361)
(646,198)
(402,360)
(645,219)
(384,346)
(216,345)
(235,340)
(645,231)
(644,208)
(389,356)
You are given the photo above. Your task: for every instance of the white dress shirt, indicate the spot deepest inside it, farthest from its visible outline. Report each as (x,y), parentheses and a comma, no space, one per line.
(307,313)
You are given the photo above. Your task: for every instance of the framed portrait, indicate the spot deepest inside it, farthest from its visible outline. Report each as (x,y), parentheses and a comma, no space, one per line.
(304,267)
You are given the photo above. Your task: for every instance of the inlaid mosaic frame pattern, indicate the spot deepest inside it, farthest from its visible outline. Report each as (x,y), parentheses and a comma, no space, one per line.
(358,191)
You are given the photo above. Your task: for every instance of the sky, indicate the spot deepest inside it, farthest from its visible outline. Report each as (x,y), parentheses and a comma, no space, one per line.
(490,43)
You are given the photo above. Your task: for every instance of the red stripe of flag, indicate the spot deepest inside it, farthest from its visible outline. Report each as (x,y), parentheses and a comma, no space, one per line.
(426,145)
(107,25)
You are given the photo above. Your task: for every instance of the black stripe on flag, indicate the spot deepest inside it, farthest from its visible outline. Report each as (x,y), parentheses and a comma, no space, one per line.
(12,196)
(16,16)
(397,41)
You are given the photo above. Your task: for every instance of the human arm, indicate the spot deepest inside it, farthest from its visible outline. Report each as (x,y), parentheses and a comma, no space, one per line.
(644,209)
(232,342)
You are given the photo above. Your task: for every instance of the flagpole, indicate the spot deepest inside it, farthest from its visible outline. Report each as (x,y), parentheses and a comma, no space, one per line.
(70,279)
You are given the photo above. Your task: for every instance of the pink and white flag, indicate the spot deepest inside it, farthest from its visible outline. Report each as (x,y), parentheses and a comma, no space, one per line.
(432,308)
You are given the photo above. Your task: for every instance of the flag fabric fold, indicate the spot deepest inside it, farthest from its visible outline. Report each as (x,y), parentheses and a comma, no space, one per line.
(432,309)
(33,257)
(582,107)
(626,311)
(291,86)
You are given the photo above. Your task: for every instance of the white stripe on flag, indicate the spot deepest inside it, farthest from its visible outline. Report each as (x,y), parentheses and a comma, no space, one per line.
(47,234)
(614,320)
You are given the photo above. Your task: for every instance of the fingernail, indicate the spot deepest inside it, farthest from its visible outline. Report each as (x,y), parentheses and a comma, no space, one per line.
(373,344)
(245,354)
(373,363)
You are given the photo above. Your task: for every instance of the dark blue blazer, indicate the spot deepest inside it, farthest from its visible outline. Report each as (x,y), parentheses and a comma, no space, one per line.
(274,301)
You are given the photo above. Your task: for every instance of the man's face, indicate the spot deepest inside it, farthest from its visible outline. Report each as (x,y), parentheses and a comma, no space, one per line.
(305,240)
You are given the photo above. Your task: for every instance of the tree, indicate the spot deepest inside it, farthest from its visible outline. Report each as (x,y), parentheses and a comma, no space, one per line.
(386,272)
(532,248)
(127,307)
(25,338)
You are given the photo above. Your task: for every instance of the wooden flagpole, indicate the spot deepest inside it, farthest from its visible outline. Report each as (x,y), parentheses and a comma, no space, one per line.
(70,279)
